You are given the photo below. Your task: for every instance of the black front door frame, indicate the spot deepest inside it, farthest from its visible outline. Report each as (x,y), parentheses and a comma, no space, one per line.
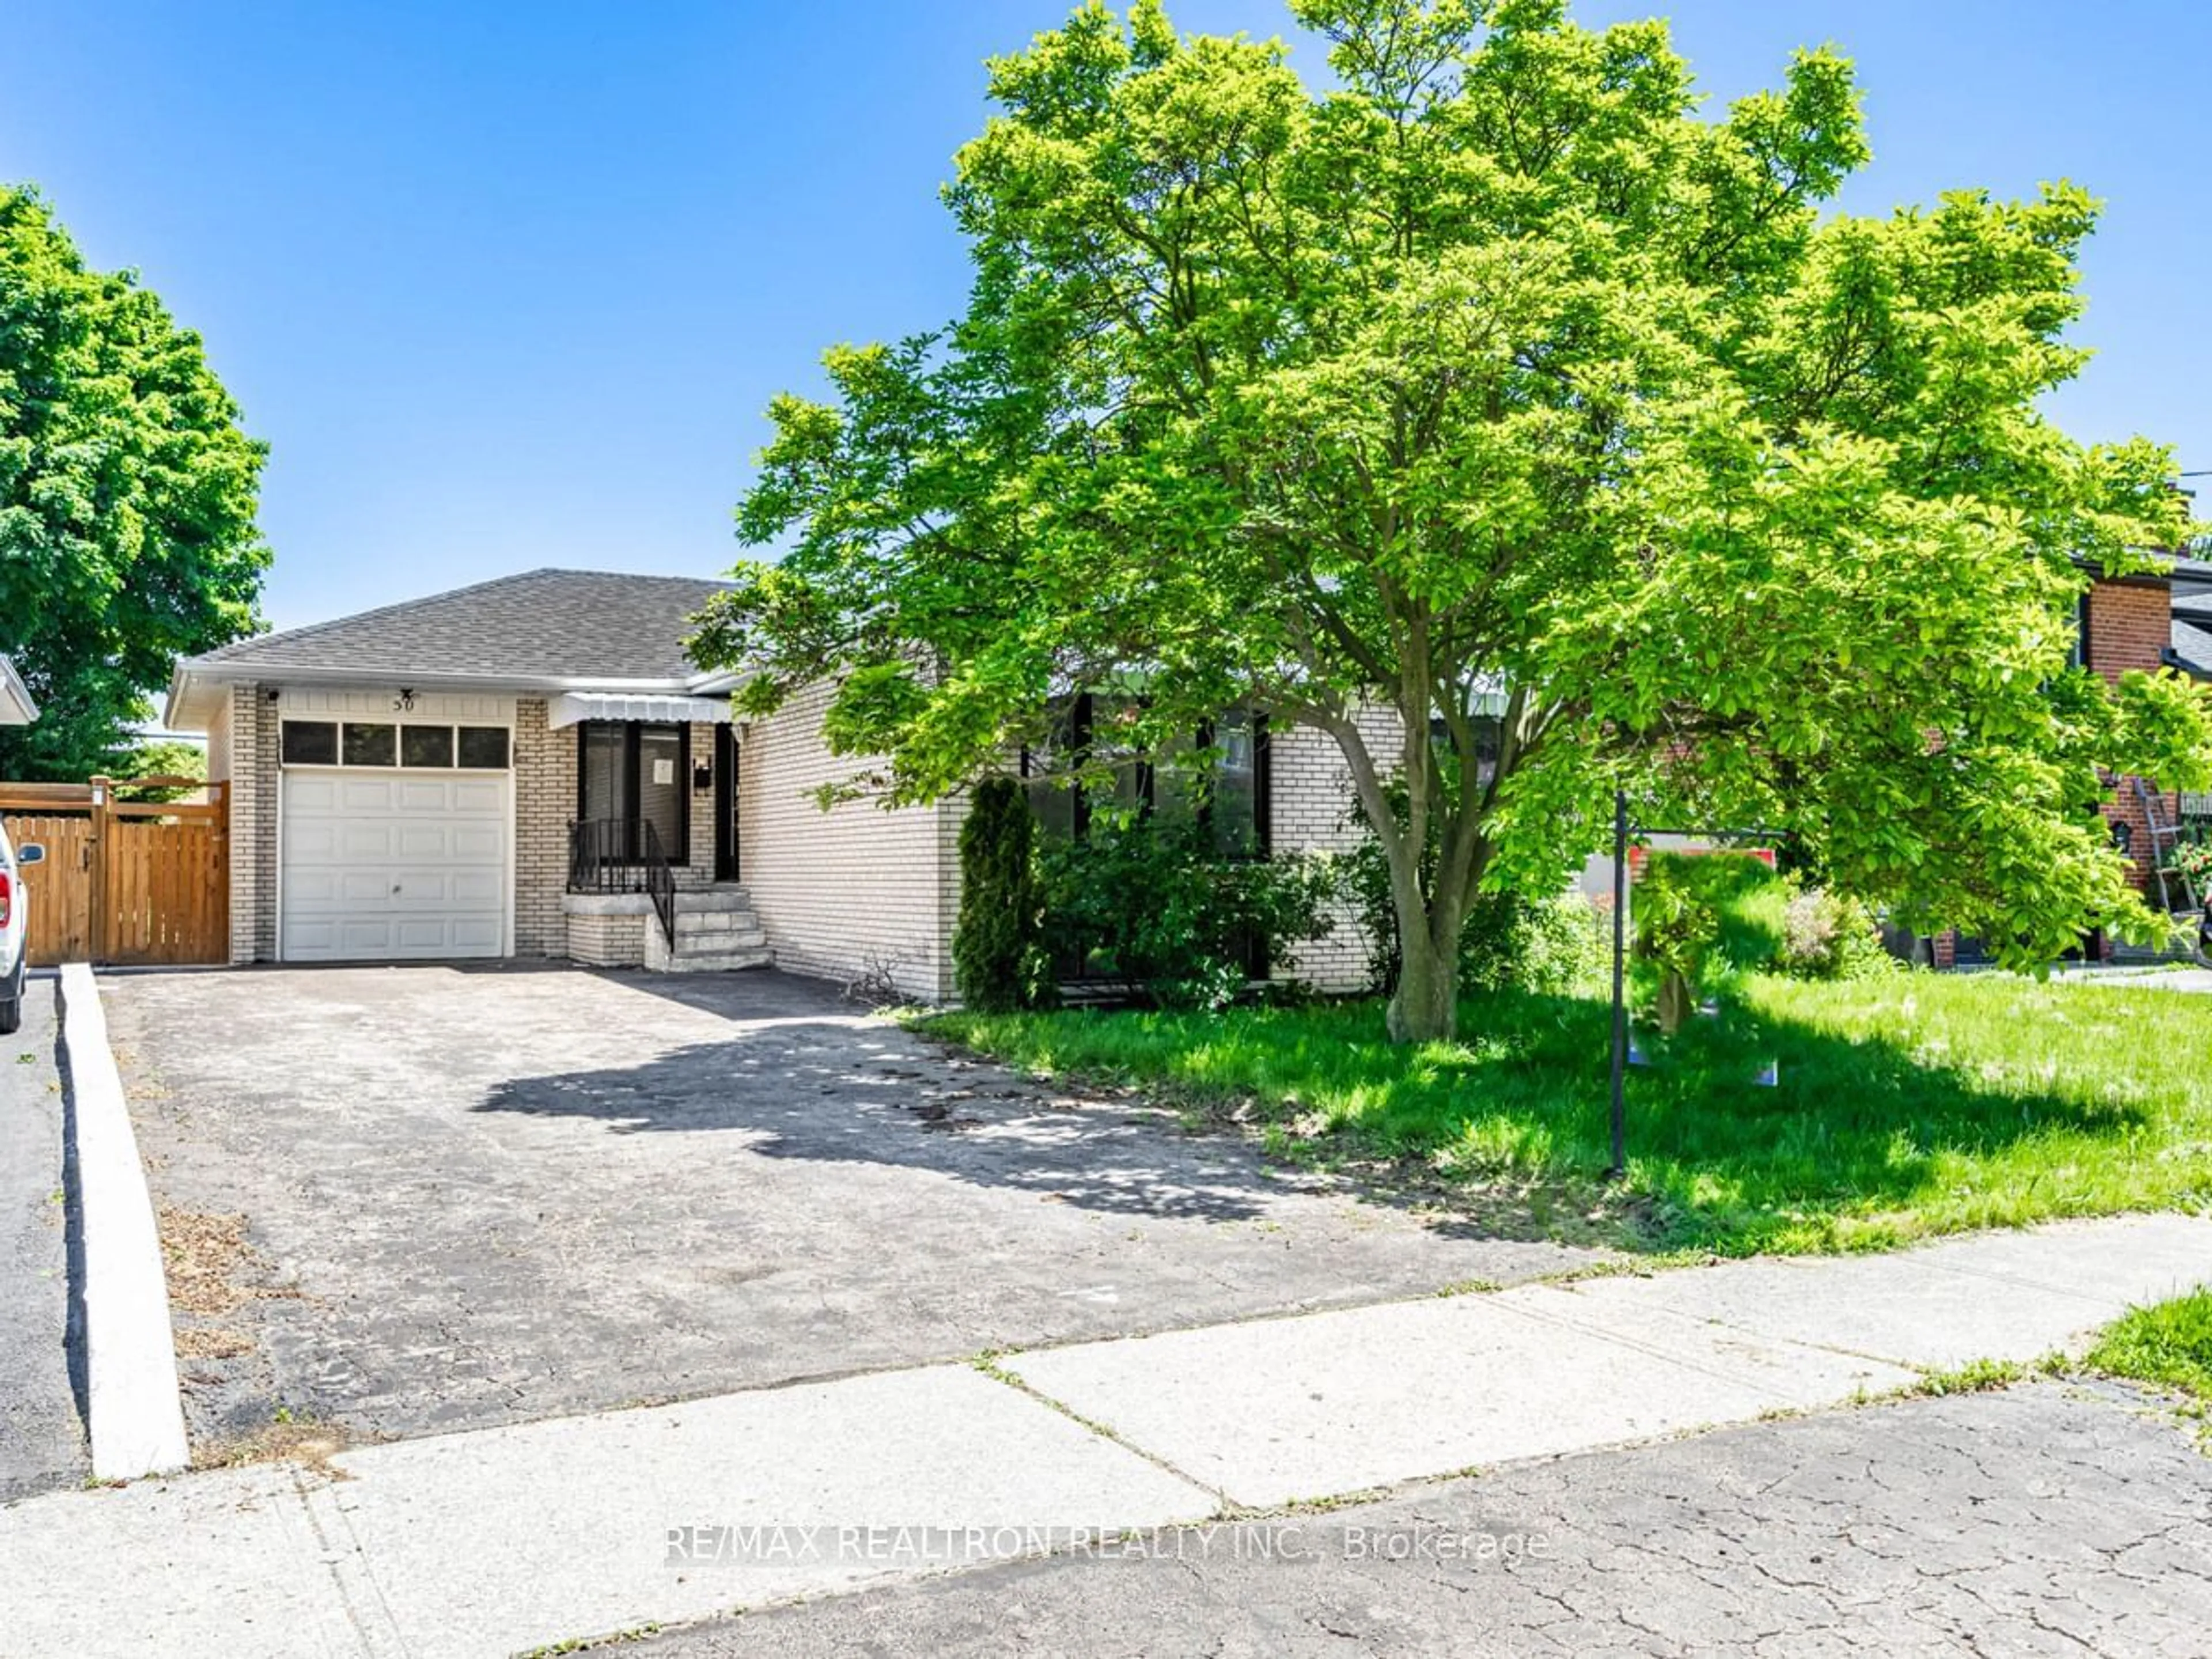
(726,803)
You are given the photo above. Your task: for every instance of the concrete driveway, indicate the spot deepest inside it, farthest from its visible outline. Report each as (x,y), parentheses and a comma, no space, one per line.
(407,1199)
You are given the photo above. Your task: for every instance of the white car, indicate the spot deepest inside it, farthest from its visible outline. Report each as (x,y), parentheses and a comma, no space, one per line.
(15,924)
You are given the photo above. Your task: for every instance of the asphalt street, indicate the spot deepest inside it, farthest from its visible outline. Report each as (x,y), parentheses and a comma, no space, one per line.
(2048,1519)
(41,1434)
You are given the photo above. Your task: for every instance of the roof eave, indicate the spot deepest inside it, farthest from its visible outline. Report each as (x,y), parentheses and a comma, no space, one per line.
(195,678)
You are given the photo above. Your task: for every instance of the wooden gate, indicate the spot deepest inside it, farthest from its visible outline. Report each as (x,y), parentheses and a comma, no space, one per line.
(123,882)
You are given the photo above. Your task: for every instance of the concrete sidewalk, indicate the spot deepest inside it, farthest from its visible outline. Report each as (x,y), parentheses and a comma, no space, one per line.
(500,1540)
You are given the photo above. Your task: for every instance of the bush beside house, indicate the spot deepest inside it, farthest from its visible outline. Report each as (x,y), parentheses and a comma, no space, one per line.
(997,955)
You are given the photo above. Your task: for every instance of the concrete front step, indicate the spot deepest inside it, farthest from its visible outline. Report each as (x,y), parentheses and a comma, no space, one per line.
(715,931)
(714,921)
(706,901)
(709,944)
(715,962)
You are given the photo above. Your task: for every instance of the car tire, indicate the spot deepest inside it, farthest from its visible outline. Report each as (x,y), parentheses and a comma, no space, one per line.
(11,1005)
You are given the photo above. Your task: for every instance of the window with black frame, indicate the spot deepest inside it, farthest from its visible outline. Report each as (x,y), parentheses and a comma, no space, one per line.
(1226,795)
(631,774)
(1213,779)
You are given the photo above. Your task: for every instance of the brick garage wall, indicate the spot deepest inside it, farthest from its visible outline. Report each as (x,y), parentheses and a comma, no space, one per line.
(1313,809)
(841,892)
(249,756)
(545,802)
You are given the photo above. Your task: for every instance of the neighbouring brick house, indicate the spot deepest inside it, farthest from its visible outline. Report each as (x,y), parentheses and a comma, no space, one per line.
(2161,619)
(2156,619)
(2191,653)
(485,773)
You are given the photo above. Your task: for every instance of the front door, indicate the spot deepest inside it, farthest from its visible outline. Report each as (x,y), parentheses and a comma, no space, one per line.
(726,803)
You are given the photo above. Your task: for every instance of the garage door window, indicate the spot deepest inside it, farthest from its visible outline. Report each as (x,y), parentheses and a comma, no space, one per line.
(311,743)
(420,747)
(483,748)
(426,745)
(371,746)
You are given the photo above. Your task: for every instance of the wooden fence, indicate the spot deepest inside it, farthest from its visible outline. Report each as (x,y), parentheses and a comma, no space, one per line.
(123,881)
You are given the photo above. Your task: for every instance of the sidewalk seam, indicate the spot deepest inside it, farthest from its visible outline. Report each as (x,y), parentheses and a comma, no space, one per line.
(347,1564)
(988,1365)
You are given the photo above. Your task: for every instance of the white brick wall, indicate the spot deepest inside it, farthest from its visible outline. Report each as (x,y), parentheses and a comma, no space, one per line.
(842,891)
(698,870)
(1314,809)
(835,890)
(250,759)
(544,801)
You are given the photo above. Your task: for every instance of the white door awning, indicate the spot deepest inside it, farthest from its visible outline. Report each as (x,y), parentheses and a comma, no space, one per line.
(571,707)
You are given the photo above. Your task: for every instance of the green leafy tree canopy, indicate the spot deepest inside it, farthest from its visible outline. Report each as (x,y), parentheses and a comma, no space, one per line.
(1501,375)
(127,496)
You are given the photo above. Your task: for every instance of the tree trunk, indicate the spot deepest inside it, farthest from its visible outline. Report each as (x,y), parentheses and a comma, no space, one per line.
(1425,1008)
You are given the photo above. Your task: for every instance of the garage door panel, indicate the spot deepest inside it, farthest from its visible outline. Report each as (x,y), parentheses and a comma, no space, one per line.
(478,889)
(479,795)
(477,843)
(311,889)
(424,795)
(359,842)
(391,866)
(364,936)
(474,936)
(306,841)
(434,889)
(365,797)
(361,888)
(425,841)
(307,793)
(308,938)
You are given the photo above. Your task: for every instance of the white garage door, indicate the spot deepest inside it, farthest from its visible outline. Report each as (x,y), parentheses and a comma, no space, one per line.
(381,865)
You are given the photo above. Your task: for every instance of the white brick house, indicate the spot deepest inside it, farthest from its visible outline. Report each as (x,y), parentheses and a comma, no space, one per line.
(486,773)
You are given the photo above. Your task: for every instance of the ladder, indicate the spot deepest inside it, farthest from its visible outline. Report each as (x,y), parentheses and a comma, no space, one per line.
(2164,838)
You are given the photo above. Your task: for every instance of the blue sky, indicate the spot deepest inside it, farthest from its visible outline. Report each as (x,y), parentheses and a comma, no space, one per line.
(508,285)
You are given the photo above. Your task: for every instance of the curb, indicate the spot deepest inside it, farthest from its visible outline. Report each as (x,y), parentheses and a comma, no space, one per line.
(136,1415)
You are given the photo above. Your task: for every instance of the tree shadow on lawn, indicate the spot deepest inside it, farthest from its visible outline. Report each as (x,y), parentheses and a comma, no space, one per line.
(1867,1138)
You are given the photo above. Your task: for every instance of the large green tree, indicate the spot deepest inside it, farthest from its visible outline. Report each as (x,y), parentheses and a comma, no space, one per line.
(1499,379)
(127,496)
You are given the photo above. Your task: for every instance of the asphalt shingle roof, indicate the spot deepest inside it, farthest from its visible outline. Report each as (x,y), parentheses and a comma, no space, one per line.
(542,624)
(2193,643)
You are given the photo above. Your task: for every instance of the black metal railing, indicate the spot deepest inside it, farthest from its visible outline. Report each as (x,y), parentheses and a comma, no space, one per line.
(624,855)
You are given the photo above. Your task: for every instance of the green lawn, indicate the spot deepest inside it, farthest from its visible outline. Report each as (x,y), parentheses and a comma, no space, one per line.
(2169,1343)
(1913,1104)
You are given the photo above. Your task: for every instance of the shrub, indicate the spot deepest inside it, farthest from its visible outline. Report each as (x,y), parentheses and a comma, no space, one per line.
(1551,946)
(1828,935)
(997,952)
(1153,908)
